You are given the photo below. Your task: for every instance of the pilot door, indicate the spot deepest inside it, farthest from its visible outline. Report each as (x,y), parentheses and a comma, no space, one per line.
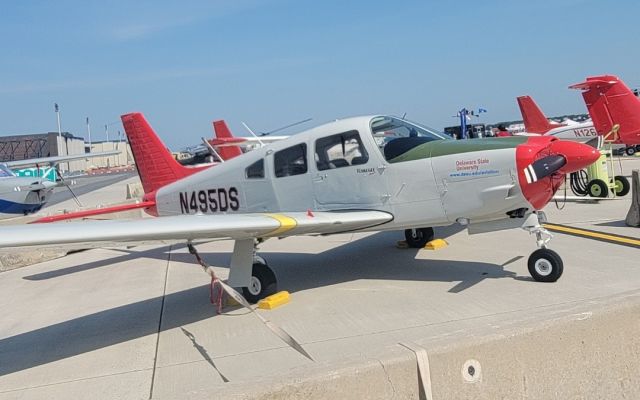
(347,175)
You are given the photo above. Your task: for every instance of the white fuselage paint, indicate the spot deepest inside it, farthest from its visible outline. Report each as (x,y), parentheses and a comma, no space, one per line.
(479,186)
(576,132)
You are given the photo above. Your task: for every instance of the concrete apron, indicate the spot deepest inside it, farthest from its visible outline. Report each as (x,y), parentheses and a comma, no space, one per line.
(589,351)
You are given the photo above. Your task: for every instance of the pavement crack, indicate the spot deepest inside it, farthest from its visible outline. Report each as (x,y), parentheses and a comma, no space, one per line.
(164,296)
(386,374)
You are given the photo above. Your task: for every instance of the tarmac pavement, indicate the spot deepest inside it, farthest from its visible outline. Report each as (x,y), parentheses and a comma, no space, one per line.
(137,323)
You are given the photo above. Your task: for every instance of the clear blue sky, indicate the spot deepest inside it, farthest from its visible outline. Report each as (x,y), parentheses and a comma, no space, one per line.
(270,63)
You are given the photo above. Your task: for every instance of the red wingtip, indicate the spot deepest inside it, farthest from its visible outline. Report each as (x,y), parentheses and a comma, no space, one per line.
(94,212)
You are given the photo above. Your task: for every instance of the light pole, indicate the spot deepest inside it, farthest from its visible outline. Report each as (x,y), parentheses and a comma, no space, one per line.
(89,133)
(57,109)
(106,128)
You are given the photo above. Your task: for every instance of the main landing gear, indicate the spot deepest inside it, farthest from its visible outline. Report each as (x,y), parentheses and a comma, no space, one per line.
(263,281)
(545,265)
(247,271)
(418,237)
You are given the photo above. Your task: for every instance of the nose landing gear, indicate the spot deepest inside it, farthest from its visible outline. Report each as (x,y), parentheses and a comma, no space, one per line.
(545,265)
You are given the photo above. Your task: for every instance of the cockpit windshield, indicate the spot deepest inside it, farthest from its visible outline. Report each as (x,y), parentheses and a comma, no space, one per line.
(5,172)
(395,136)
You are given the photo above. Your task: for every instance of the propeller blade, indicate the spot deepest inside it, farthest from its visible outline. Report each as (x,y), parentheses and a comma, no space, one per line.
(544,167)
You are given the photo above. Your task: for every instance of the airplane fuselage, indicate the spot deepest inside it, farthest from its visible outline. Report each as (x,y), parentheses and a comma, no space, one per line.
(580,132)
(17,197)
(348,165)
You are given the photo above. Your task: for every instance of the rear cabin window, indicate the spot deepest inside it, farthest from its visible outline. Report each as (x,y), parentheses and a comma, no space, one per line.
(255,170)
(341,150)
(291,161)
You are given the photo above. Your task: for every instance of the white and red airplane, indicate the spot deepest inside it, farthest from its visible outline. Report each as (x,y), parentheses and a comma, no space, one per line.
(368,173)
(610,102)
(535,122)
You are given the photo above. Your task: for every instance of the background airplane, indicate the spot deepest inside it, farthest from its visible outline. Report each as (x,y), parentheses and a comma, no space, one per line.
(537,123)
(26,195)
(366,173)
(609,102)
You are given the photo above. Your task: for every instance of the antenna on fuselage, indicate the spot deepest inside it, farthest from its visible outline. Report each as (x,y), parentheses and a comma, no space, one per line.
(285,127)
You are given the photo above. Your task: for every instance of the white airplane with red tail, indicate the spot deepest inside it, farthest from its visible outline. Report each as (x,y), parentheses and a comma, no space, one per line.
(369,173)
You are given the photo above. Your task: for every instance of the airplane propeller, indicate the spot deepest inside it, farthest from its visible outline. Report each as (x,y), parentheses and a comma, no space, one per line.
(544,167)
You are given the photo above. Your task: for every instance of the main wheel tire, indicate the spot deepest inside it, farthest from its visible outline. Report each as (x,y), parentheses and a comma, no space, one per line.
(597,188)
(263,283)
(419,237)
(630,150)
(622,185)
(545,265)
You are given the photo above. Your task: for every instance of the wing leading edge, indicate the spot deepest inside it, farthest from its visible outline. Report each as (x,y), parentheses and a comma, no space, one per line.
(177,229)
(58,159)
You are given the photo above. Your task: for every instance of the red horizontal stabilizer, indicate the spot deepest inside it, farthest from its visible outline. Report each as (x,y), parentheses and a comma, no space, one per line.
(97,211)
(611,102)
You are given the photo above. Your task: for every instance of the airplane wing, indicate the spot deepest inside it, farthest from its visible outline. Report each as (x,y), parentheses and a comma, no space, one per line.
(182,228)
(58,159)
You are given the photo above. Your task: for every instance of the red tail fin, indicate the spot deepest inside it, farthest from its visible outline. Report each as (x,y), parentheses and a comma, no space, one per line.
(611,102)
(534,119)
(156,166)
(223,136)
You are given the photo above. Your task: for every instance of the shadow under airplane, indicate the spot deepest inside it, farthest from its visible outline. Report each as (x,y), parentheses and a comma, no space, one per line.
(374,257)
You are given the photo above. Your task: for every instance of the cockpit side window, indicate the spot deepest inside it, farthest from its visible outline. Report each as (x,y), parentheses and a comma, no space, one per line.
(291,161)
(255,170)
(341,150)
(396,136)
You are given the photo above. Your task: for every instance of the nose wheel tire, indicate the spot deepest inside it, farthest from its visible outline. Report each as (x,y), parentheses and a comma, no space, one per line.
(545,265)
(419,237)
(263,283)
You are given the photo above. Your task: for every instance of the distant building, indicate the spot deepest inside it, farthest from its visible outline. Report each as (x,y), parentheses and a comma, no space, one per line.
(50,144)
(125,158)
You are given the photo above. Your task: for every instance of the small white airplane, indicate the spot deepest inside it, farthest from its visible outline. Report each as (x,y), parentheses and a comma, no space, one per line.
(26,195)
(367,173)
(535,122)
